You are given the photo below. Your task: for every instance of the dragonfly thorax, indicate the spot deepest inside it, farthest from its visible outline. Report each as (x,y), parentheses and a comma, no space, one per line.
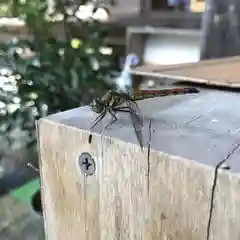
(97,105)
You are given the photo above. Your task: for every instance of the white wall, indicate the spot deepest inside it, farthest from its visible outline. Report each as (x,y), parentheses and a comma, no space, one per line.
(172,48)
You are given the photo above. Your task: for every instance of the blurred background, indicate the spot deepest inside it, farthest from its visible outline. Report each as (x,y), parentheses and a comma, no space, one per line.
(56,55)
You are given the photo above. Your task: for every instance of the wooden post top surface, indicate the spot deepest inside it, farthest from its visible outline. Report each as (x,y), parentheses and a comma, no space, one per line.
(201,127)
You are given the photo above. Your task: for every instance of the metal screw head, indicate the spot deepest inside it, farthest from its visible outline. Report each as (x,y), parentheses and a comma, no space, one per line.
(86,163)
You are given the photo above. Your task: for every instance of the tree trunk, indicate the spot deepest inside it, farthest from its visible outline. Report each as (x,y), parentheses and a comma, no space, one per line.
(221,29)
(14,8)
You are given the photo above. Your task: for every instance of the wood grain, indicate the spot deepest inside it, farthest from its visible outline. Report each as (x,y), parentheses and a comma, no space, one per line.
(216,72)
(115,202)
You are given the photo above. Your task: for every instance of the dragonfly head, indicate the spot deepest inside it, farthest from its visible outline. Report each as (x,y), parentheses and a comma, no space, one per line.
(97,105)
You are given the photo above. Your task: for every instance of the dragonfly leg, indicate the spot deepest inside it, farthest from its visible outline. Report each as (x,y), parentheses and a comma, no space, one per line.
(123,109)
(137,124)
(99,118)
(113,120)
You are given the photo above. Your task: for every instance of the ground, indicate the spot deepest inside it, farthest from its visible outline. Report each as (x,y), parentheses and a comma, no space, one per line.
(19,221)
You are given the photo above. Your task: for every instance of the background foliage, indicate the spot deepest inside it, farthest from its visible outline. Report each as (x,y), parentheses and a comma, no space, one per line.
(49,73)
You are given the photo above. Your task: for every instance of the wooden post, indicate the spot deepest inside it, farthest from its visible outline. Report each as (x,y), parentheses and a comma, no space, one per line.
(131,197)
(221,35)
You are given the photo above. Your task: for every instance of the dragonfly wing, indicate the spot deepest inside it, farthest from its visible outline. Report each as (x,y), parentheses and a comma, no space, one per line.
(137,120)
(135,108)
(137,128)
(135,114)
(121,94)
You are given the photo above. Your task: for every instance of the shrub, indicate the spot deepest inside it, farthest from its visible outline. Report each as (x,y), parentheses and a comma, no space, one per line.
(49,73)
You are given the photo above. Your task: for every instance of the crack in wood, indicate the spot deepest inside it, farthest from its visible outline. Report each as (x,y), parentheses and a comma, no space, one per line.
(148,153)
(214,185)
(194,119)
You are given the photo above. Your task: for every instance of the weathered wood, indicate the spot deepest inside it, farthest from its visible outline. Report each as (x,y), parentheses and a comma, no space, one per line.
(137,38)
(216,72)
(130,198)
(125,7)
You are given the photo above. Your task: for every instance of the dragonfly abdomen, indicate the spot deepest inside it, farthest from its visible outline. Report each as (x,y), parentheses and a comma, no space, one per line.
(143,94)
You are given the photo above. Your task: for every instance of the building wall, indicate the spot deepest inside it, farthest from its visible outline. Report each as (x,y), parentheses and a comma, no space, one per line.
(172,49)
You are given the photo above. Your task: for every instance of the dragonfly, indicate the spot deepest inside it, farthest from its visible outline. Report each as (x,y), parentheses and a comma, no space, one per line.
(115,101)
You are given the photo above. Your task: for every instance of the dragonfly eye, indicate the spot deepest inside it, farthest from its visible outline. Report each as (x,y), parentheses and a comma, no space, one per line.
(97,106)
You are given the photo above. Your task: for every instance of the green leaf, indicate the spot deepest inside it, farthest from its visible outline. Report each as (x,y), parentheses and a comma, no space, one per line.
(56,71)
